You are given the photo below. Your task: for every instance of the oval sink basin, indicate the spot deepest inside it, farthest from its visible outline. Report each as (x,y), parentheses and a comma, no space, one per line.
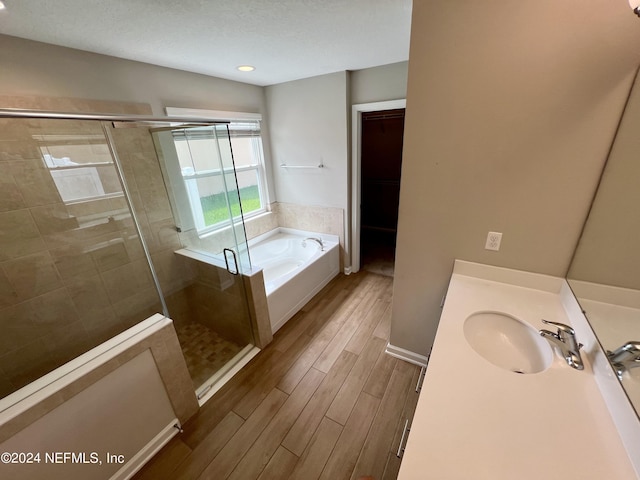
(508,343)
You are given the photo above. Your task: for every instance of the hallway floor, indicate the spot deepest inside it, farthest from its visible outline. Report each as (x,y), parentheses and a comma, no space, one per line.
(378,259)
(322,401)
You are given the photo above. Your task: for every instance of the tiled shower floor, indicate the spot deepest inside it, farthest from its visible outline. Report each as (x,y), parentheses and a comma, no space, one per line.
(204,350)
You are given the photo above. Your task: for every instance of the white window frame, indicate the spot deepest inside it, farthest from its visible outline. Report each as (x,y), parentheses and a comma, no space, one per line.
(258,167)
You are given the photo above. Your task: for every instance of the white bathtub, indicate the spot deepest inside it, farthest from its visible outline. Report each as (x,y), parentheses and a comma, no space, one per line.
(294,269)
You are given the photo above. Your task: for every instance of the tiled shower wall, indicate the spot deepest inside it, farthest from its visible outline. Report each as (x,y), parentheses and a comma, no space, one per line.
(72,274)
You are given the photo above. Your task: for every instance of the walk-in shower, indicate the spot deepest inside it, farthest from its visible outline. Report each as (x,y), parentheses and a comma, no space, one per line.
(88,242)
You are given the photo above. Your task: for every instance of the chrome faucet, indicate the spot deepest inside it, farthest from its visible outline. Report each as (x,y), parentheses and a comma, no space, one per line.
(625,357)
(315,239)
(565,340)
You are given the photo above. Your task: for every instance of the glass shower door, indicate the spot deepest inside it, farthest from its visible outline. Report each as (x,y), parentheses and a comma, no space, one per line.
(198,164)
(198,170)
(234,203)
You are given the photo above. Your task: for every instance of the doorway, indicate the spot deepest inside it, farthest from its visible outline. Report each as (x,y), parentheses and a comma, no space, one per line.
(378,155)
(381,161)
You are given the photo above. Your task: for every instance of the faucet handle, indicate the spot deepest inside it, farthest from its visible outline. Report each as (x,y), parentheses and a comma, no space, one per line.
(561,327)
(628,351)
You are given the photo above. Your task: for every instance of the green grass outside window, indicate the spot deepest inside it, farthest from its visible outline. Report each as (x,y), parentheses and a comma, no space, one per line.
(214,207)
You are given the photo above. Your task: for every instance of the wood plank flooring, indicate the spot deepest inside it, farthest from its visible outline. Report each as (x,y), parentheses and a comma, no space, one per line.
(322,401)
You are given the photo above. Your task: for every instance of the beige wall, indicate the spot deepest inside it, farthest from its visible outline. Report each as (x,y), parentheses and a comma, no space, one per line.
(34,68)
(308,121)
(30,68)
(309,126)
(379,84)
(511,109)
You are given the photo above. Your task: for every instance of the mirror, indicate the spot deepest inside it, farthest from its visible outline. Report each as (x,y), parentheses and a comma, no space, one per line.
(605,270)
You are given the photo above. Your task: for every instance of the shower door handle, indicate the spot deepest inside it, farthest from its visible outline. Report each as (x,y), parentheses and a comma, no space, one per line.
(235,261)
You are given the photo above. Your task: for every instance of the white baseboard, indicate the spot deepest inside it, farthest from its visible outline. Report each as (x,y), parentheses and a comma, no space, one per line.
(406,355)
(134,464)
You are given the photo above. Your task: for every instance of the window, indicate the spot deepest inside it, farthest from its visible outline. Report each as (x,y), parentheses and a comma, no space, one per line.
(207,157)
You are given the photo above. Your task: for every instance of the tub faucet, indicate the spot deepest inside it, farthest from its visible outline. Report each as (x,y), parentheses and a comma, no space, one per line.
(565,340)
(625,357)
(315,239)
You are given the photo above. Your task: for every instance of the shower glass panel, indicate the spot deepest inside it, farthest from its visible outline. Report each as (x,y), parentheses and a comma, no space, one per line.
(199,170)
(72,267)
(234,201)
(181,186)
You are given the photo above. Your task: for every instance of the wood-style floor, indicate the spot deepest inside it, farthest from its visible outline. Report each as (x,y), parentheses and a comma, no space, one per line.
(322,401)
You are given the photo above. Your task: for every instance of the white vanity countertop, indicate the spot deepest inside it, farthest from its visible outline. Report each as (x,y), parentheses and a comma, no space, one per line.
(477,421)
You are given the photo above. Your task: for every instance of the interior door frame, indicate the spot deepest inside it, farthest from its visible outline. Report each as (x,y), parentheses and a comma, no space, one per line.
(356,169)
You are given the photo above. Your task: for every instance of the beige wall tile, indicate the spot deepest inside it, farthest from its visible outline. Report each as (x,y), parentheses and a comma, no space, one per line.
(32,275)
(10,196)
(137,307)
(19,168)
(127,280)
(67,342)
(93,207)
(102,324)
(17,327)
(108,178)
(19,235)
(311,218)
(110,253)
(262,224)
(52,310)
(53,219)
(174,373)
(37,187)
(155,202)
(6,387)
(144,164)
(12,149)
(178,306)
(27,363)
(118,203)
(165,234)
(88,296)
(133,244)
(73,262)
(171,271)
(224,313)
(8,295)
(259,309)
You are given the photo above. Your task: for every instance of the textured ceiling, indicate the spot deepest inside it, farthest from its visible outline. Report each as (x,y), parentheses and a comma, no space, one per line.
(284,39)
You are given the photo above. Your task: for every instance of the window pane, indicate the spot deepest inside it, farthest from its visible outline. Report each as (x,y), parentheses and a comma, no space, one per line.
(243,151)
(249,191)
(213,200)
(197,153)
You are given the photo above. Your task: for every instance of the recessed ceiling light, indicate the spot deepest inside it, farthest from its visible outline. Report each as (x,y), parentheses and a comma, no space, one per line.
(2,5)
(246,68)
